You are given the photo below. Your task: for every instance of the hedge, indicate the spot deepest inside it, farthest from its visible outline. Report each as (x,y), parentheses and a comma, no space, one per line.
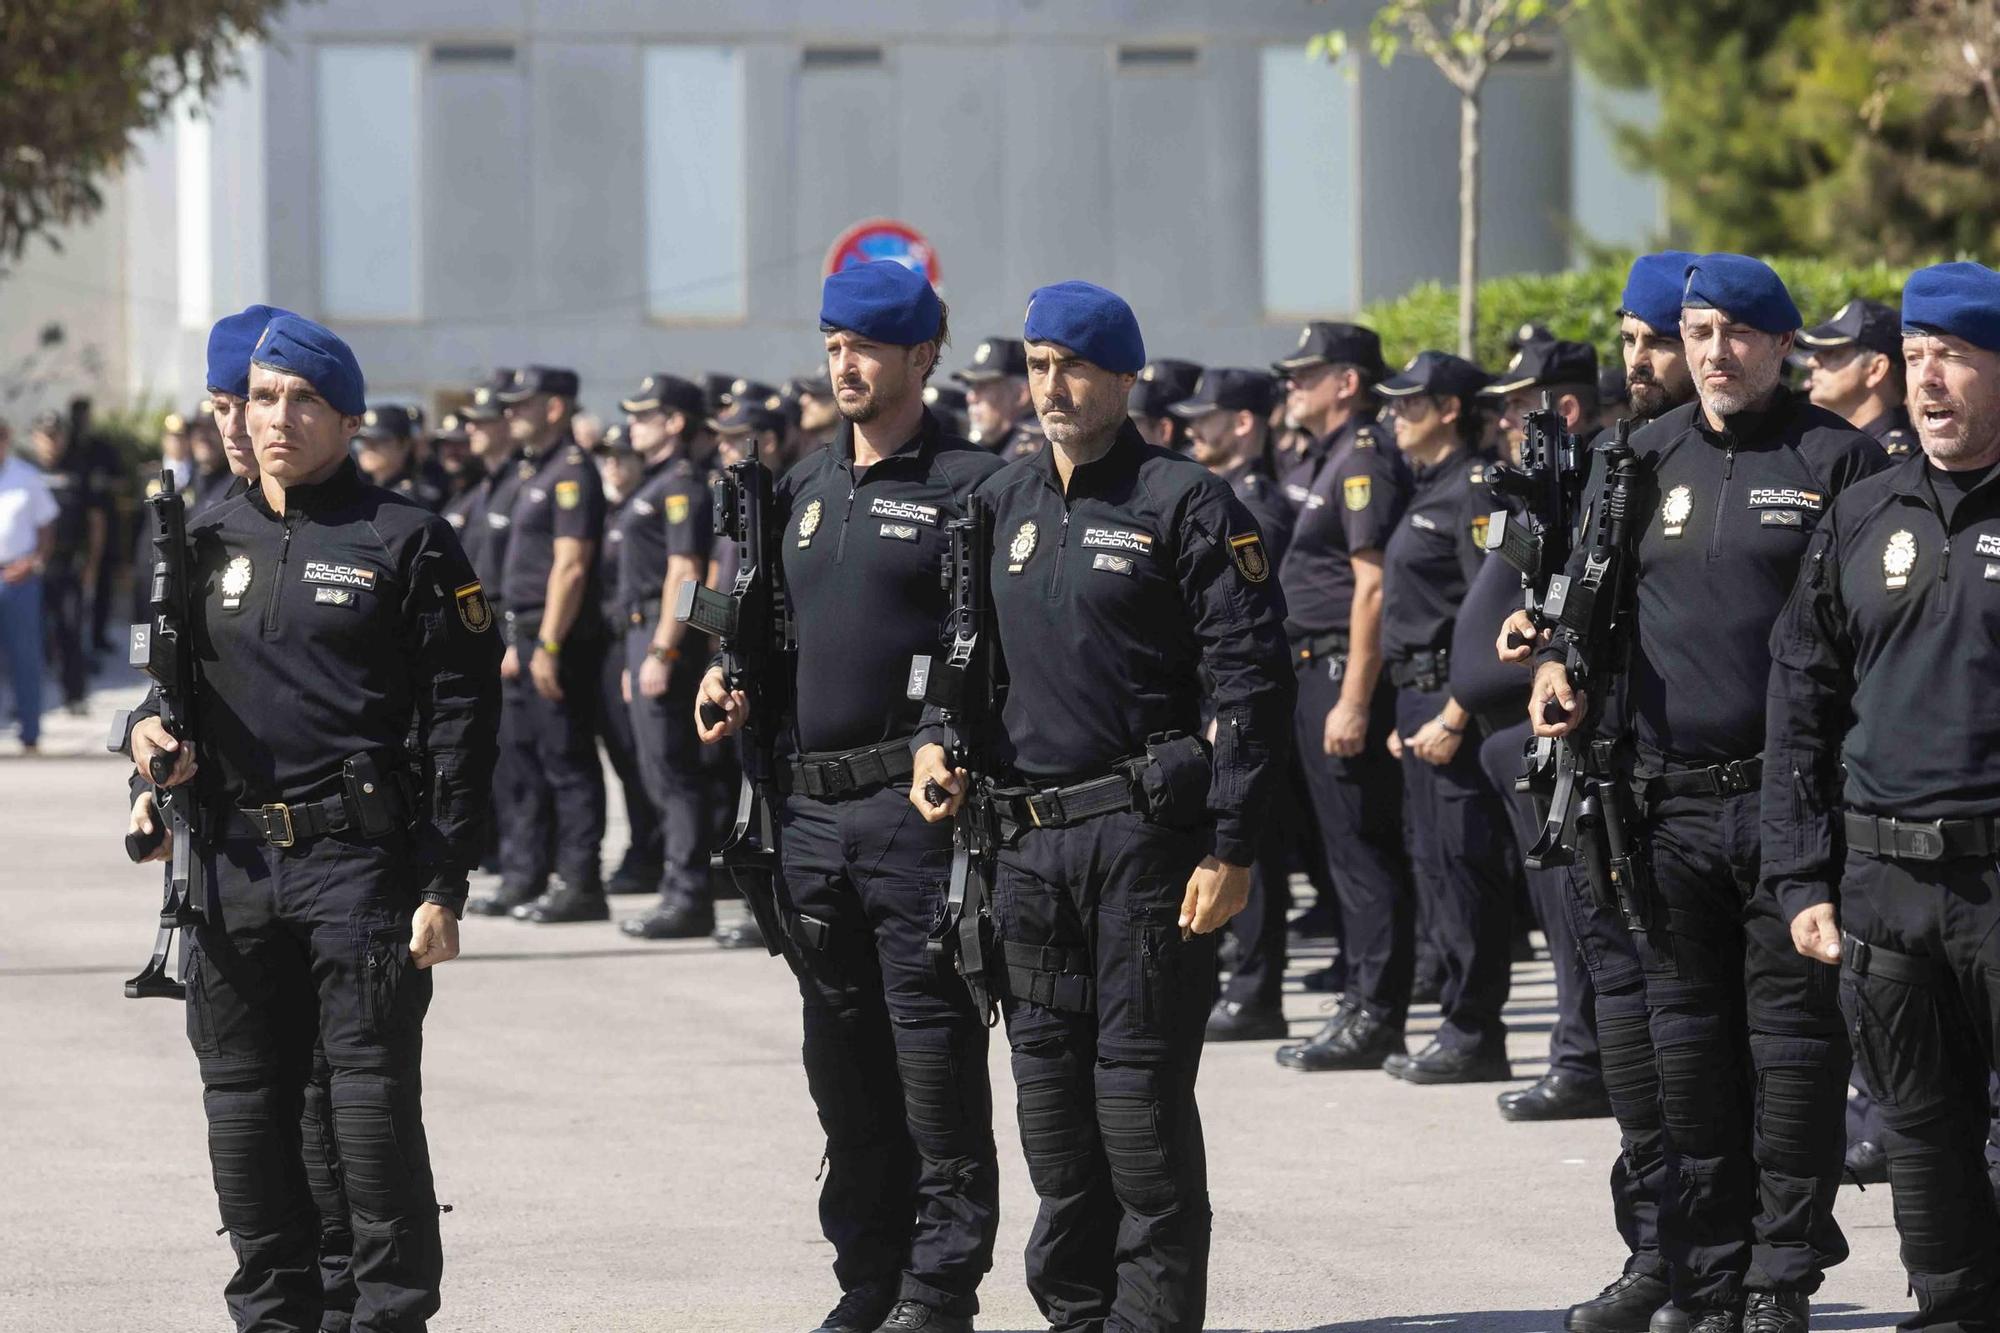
(1582,305)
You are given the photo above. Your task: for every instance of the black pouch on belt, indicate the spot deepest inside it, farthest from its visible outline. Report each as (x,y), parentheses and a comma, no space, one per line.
(374,801)
(1172,781)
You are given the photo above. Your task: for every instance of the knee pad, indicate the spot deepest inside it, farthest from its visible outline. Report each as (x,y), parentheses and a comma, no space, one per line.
(1701,1082)
(253,1151)
(384,1160)
(1058,1123)
(1942,1201)
(1801,1109)
(945,1095)
(322,1156)
(1137,1128)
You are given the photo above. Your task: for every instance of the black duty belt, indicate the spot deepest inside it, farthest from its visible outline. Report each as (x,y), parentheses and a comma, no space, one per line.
(1060,807)
(1728,779)
(845,772)
(281,824)
(1920,839)
(1865,959)
(1051,977)
(1425,671)
(1312,647)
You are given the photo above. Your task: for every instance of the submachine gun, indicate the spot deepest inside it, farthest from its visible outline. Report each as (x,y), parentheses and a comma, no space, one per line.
(965,688)
(163,647)
(753,625)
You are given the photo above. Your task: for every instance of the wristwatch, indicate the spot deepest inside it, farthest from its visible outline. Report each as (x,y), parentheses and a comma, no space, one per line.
(661,653)
(552,647)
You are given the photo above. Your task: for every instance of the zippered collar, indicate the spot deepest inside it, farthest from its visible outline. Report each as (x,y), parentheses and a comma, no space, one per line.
(338,489)
(1121,460)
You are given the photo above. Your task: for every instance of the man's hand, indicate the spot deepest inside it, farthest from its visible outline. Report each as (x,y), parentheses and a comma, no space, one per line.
(433,936)
(510,663)
(1346,730)
(1394,745)
(1216,891)
(145,818)
(1552,683)
(653,677)
(625,685)
(1434,743)
(1816,933)
(929,766)
(735,706)
(543,669)
(150,738)
(1520,626)
(17,571)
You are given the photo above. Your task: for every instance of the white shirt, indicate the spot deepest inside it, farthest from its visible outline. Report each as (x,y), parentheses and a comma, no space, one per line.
(25,508)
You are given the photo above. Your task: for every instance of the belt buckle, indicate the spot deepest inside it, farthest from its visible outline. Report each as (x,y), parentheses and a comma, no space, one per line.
(284,812)
(1736,776)
(1054,799)
(1920,840)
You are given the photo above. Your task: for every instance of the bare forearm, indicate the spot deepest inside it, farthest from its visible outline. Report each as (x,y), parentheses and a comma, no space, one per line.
(565,600)
(680,569)
(1364,647)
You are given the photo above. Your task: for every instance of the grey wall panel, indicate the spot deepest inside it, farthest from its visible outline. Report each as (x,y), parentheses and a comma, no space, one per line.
(477,190)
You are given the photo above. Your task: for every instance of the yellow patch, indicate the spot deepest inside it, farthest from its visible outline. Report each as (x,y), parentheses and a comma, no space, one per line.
(473,609)
(1357,492)
(569,494)
(1479,526)
(677,509)
(1251,562)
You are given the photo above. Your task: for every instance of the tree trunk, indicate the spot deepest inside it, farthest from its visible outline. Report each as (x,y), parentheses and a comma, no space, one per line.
(1468,221)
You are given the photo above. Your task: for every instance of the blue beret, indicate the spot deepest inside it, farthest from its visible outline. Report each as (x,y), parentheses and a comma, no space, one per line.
(229,346)
(883,300)
(1095,324)
(1959,300)
(1748,290)
(1653,289)
(316,354)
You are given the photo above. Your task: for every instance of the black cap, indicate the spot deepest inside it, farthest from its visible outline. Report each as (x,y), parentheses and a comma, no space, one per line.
(387,422)
(815,383)
(755,390)
(1160,385)
(945,398)
(1529,334)
(531,380)
(666,393)
(1612,387)
(450,430)
(1229,389)
(616,440)
(993,359)
(1439,374)
(1324,343)
(485,402)
(715,387)
(751,414)
(1549,363)
(1869,324)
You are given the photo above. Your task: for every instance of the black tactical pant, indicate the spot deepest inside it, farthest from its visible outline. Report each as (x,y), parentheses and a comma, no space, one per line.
(302,944)
(1753,1062)
(1105,1005)
(524,864)
(1920,986)
(1358,805)
(1459,846)
(895,1053)
(558,820)
(320,1148)
(614,728)
(1573,1036)
(670,763)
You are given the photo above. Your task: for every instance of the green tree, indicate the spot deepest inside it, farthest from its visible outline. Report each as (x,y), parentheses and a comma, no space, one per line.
(80,79)
(1464,39)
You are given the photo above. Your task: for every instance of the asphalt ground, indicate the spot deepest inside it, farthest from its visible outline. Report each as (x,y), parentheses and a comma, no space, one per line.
(624,1134)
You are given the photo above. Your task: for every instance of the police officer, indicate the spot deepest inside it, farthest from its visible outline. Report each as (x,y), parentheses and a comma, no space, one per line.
(1162,383)
(1349,491)
(895,1055)
(1128,586)
(757,429)
(342,835)
(550,670)
(1753,1121)
(1455,817)
(215,477)
(387,454)
(1880,738)
(1225,417)
(620,468)
(819,415)
(80,535)
(947,403)
(1856,364)
(451,450)
(1565,375)
(996,398)
(664,539)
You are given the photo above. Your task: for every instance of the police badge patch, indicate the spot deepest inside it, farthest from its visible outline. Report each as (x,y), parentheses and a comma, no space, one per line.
(473,609)
(235,582)
(1248,552)
(569,494)
(809,523)
(677,509)
(1021,547)
(1674,513)
(1357,491)
(1899,557)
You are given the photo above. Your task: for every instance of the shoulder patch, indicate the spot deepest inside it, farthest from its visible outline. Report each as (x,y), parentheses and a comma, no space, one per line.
(677,508)
(569,494)
(1357,492)
(1247,550)
(473,610)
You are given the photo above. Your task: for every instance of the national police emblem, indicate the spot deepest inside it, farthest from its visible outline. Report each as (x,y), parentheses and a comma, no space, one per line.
(1899,557)
(1021,547)
(1674,513)
(809,523)
(235,582)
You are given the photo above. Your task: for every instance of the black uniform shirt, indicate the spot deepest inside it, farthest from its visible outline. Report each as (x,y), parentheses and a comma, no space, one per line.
(863,550)
(1120,605)
(1432,555)
(352,623)
(1887,658)
(494,524)
(560,495)
(1265,499)
(1894,431)
(1480,682)
(464,509)
(669,514)
(1348,493)
(1727,517)
(413,484)
(209,489)
(69,483)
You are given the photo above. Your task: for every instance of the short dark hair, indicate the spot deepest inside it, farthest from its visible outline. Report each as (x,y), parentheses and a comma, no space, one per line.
(942,340)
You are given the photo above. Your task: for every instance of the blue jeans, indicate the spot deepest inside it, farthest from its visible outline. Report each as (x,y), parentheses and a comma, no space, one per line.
(21,642)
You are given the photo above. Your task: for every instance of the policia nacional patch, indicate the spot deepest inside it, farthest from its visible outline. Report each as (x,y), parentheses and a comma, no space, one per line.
(1251,562)
(473,610)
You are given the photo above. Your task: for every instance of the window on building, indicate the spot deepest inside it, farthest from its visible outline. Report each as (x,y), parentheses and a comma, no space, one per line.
(1308,179)
(194,228)
(368,181)
(694,183)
